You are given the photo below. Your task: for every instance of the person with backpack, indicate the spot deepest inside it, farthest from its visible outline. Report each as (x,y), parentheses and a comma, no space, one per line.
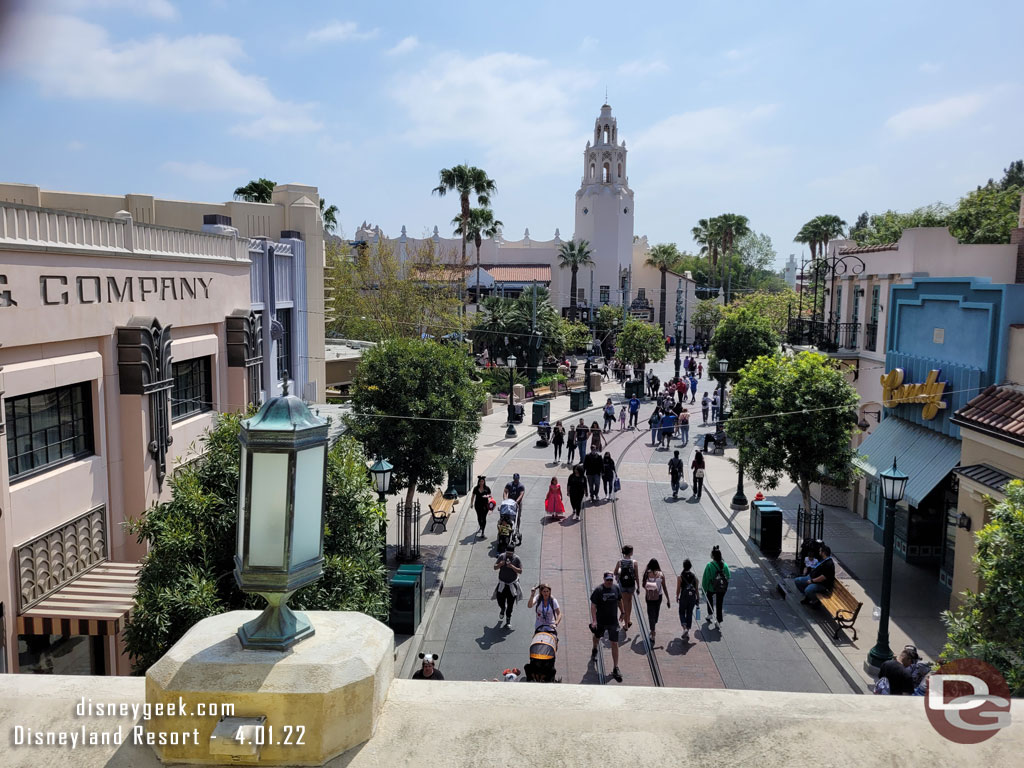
(626,573)
(655,424)
(609,415)
(697,465)
(705,405)
(687,597)
(693,388)
(715,584)
(675,473)
(655,590)
(596,436)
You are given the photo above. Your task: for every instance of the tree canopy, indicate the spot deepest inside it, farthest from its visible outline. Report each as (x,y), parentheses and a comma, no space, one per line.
(775,307)
(187,574)
(573,255)
(794,417)
(707,315)
(256,191)
(466,181)
(742,336)
(504,325)
(989,625)
(639,343)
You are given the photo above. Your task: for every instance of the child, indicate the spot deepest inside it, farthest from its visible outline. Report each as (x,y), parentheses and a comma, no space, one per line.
(622,418)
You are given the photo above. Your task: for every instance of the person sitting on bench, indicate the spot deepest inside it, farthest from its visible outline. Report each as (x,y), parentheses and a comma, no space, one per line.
(821,578)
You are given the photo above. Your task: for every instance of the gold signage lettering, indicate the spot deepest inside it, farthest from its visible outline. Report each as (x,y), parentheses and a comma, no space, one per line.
(928,393)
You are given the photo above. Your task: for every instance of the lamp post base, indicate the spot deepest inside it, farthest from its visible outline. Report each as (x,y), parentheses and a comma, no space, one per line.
(739,501)
(877,656)
(511,430)
(278,628)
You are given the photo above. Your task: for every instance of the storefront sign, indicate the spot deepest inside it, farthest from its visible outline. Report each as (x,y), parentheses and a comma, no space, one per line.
(928,394)
(56,290)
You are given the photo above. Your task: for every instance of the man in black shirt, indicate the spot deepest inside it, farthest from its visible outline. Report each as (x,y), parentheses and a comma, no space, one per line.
(429,670)
(898,673)
(515,490)
(675,472)
(507,592)
(605,614)
(820,580)
(593,466)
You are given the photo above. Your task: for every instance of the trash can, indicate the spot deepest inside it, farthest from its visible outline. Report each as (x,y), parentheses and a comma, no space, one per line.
(406,603)
(766,527)
(635,388)
(541,411)
(418,571)
(577,399)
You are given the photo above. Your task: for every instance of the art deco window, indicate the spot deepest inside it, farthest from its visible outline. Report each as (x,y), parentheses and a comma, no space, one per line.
(192,392)
(48,428)
(284,346)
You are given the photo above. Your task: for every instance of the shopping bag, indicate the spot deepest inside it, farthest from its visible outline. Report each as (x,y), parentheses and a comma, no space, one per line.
(617,486)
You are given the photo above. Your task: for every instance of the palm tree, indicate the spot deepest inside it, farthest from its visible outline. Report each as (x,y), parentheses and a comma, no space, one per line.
(481,224)
(732,226)
(663,257)
(256,191)
(466,180)
(816,234)
(574,254)
(708,237)
(329,215)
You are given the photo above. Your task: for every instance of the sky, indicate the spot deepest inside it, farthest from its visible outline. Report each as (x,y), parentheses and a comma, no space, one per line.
(778,111)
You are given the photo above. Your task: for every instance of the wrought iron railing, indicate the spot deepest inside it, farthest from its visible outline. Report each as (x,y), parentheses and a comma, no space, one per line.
(826,335)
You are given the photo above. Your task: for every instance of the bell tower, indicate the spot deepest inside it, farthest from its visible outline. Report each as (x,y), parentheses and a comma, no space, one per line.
(604,210)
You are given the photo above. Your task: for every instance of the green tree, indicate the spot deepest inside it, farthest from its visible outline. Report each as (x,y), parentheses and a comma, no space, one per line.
(663,257)
(987,215)
(506,325)
(608,318)
(417,404)
(742,336)
(465,181)
(774,307)
(989,625)
(707,234)
(885,228)
(731,227)
(256,191)
(329,214)
(707,315)
(573,255)
(481,224)
(794,417)
(640,343)
(1013,176)
(187,574)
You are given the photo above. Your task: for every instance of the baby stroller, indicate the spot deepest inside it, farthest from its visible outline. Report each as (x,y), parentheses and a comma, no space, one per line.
(543,434)
(543,648)
(508,525)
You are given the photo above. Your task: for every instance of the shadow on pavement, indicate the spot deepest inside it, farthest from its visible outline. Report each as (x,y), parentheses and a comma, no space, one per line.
(493,635)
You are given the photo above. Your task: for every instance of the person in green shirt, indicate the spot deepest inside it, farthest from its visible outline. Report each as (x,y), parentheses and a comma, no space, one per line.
(715,583)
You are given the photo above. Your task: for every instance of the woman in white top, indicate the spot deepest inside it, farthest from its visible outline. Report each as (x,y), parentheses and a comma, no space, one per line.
(655,590)
(549,614)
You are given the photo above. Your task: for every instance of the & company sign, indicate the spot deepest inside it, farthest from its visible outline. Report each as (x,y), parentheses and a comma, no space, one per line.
(928,393)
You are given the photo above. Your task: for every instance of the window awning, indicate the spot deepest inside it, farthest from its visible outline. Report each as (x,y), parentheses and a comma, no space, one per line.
(925,456)
(95,603)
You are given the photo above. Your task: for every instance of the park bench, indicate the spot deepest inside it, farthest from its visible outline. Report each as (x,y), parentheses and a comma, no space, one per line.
(540,392)
(842,607)
(440,510)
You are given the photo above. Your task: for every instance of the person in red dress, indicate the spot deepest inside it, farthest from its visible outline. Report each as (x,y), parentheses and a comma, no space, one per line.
(553,502)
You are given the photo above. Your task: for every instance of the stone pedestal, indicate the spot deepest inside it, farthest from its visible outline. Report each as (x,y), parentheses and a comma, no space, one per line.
(488,407)
(327,691)
(595,382)
(520,392)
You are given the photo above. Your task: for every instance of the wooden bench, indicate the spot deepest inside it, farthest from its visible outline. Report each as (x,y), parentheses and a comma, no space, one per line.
(842,607)
(540,392)
(440,510)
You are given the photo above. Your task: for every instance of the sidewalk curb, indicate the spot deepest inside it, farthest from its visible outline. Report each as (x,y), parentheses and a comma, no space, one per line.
(849,674)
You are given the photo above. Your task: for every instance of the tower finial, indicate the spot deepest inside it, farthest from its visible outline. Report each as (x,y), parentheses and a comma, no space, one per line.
(606,94)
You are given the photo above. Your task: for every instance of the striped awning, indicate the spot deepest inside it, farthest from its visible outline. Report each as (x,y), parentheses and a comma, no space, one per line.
(95,603)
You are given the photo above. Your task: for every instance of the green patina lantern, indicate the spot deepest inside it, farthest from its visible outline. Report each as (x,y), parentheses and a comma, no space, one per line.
(280,544)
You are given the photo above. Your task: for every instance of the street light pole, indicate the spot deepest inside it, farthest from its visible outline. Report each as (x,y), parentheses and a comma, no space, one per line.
(587,368)
(511,430)
(893,484)
(679,295)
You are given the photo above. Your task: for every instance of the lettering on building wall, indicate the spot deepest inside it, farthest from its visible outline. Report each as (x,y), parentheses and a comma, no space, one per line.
(6,300)
(56,290)
(928,393)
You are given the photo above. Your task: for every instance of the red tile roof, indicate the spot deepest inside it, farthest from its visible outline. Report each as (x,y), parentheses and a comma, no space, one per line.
(997,410)
(871,248)
(519,273)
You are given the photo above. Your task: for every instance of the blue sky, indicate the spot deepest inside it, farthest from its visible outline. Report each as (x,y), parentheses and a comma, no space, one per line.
(780,111)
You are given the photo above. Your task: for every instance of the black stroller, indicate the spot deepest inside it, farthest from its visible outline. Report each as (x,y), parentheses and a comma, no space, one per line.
(543,434)
(508,525)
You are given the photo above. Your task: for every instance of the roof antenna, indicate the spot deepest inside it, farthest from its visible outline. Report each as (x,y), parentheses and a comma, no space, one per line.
(606,94)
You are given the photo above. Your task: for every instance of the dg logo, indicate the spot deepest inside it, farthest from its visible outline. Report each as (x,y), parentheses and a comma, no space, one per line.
(967,701)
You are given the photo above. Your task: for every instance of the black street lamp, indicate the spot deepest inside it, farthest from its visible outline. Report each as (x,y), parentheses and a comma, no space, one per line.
(511,431)
(587,368)
(381,472)
(723,367)
(893,484)
(678,361)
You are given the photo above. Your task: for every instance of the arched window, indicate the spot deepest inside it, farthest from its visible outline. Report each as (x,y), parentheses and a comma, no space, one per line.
(619,174)
(606,172)
(593,171)
(606,134)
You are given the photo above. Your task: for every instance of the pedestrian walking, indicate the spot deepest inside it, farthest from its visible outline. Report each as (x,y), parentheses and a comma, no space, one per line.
(606,610)
(626,573)
(655,386)
(687,597)
(655,424)
(570,445)
(573,365)
(634,410)
(714,407)
(675,473)
(507,592)
(629,371)
(684,427)
(558,439)
(596,436)
(668,425)
(622,418)
(705,404)
(697,465)
(608,475)
(549,613)
(593,466)
(481,502)
(576,486)
(553,504)
(609,415)
(681,388)
(693,388)
(715,584)
(700,370)
(582,435)
(655,591)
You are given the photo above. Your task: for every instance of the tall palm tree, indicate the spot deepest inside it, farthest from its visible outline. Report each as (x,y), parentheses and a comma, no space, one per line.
(466,180)
(574,254)
(663,257)
(329,214)
(707,235)
(481,224)
(732,226)
(256,191)
(816,234)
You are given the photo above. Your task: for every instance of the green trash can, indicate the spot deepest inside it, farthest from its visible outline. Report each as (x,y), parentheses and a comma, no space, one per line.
(635,388)
(541,411)
(406,603)
(419,571)
(577,399)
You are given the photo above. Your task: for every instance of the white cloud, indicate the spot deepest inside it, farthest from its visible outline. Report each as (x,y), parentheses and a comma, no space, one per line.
(520,110)
(76,59)
(339,32)
(929,67)
(589,44)
(158,9)
(935,116)
(202,172)
(75,146)
(713,129)
(405,45)
(641,67)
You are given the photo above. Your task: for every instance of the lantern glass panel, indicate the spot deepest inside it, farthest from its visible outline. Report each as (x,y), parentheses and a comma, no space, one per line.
(268,509)
(240,545)
(309,499)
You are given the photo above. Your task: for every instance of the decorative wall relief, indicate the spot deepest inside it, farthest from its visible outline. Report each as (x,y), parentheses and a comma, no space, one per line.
(144,368)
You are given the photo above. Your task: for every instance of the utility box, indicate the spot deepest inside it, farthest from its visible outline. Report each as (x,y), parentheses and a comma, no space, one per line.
(541,411)
(419,573)
(766,527)
(577,399)
(406,603)
(635,388)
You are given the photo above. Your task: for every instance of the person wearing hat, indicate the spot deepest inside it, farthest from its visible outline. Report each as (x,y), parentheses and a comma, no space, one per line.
(428,670)
(515,490)
(507,591)
(605,614)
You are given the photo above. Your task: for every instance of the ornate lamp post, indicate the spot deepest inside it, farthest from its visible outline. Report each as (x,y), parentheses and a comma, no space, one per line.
(511,431)
(894,483)
(723,367)
(381,473)
(588,367)
(678,361)
(280,516)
